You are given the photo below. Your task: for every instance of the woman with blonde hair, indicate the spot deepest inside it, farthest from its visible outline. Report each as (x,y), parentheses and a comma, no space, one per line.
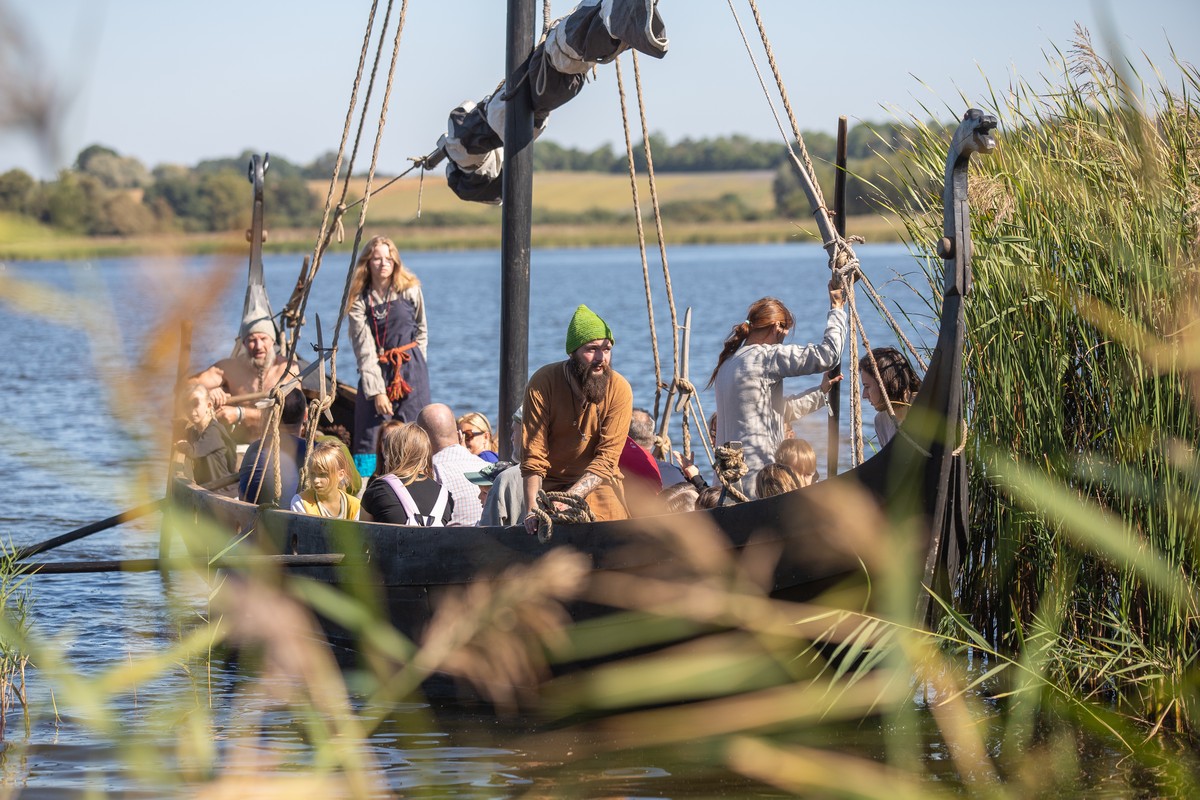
(475,432)
(390,334)
(407,494)
(750,372)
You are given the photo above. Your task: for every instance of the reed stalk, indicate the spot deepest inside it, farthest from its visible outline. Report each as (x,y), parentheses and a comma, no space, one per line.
(1081,366)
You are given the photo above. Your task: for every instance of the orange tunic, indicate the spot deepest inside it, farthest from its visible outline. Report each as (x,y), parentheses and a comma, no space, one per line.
(564,436)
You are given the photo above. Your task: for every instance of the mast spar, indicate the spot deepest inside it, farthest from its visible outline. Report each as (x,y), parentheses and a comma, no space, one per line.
(515,235)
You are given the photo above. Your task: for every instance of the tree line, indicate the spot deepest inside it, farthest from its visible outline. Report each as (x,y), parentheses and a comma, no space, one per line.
(107,194)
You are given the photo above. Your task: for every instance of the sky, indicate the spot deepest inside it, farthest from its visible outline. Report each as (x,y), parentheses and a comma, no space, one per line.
(179,82)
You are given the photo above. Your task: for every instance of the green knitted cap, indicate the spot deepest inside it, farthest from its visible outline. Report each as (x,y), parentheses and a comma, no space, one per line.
(586,326)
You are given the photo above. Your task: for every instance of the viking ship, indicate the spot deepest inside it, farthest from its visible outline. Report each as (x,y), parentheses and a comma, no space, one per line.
(918,478)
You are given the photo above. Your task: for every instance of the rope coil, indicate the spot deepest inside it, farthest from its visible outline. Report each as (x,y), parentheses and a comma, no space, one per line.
(577,510)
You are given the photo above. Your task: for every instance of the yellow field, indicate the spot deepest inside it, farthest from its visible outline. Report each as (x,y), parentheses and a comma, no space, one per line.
(571,192)
(392,212)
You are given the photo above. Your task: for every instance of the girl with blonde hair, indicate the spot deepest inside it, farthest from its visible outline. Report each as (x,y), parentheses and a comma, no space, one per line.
(750,372)
(800,456)
(324,493)
(407,494)
(775,479)
(390,335)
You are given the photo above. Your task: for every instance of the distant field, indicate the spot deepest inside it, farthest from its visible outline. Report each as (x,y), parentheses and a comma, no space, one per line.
(572,192)
(471,225)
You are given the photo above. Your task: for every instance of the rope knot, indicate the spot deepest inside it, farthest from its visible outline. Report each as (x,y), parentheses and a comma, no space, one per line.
(731,466)
(339,230)
(397,388)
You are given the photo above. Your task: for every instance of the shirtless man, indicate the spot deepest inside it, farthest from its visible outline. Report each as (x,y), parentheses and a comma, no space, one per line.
(576,417)
(259,369)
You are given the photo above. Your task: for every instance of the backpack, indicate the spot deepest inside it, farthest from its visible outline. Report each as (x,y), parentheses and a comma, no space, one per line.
(415,517)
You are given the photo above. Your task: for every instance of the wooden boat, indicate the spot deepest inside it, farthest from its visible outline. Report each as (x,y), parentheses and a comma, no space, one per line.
(919,476)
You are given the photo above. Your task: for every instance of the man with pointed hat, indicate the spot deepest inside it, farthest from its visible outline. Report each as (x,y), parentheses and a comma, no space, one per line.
(576,417)
(256,367)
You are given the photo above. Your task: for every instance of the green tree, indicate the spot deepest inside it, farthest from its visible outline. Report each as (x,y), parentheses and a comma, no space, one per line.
(289,203)
(113,170)
(119,214)
(222,201)
(69,203)
(16,186)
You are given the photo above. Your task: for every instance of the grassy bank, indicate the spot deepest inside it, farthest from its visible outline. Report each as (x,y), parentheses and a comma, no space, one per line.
(570,210)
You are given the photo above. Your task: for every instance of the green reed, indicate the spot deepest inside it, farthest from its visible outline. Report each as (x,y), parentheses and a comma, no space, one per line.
(1081,367)
(15,607)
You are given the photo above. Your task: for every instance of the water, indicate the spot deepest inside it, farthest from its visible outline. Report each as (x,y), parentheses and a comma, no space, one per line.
(92,349)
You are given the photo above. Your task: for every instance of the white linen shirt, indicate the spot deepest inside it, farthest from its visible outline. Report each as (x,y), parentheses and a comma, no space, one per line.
(450,467)
(749,388)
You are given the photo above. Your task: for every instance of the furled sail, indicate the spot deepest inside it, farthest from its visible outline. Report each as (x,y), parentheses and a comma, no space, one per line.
(594,32)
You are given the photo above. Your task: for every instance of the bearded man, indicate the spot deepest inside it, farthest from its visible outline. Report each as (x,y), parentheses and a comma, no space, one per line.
(576,418)
(258,369)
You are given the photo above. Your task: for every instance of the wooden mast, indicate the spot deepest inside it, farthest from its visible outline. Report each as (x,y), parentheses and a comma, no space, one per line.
(515,237)
(839,221)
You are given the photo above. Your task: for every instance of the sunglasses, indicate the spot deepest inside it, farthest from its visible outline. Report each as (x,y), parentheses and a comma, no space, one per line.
(469,435)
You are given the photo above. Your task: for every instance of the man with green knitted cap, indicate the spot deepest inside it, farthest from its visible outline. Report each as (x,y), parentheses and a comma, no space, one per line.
(576,419)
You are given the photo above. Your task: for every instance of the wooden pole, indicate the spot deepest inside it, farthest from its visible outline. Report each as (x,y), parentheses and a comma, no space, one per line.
(163,565)
(111,522)
(839,218)
(515,236)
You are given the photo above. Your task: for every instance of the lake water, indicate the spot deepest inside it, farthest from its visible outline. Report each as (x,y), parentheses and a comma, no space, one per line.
(91,349)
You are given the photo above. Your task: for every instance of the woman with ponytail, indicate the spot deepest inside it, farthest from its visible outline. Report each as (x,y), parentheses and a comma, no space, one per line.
(750,372)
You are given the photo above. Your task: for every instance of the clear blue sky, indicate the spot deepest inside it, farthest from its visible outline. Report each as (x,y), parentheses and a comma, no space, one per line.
(177,82)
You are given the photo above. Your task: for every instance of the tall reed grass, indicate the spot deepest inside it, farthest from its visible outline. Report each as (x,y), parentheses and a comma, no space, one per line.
(1082,375)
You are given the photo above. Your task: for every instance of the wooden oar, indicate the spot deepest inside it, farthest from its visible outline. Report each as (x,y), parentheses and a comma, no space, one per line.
(839,221)
(110,522)
(161,564)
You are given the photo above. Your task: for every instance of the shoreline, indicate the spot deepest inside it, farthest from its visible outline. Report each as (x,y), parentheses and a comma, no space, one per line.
(49,246)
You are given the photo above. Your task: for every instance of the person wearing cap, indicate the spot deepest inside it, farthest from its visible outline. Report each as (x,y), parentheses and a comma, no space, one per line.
(576,419)
(505,502)
(388,329)
(257,367)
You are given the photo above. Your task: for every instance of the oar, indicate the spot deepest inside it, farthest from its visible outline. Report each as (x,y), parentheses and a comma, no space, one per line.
(157,564)
(111,522)
(839,221)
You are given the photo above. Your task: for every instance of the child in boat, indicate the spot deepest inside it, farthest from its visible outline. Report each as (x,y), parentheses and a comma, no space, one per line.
(476,434)
(899,382)
(775,479)
(209,449)
(407,493)
(325,492)
(800,456)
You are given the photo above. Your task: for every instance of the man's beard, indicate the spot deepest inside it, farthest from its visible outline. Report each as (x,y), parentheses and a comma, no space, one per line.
(593,385)
(261,363)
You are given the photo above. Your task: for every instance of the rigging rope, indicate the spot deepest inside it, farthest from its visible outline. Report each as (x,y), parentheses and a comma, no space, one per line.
(324,232)
(658,224)
(842,260)
(641,234)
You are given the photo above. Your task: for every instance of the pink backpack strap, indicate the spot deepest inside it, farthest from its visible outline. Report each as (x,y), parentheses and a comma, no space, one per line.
(405,498)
